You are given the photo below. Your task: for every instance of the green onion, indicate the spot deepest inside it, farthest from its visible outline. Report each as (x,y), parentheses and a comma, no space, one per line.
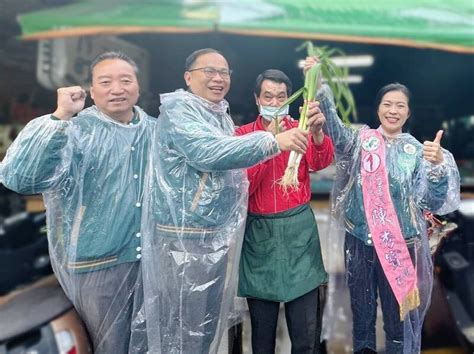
(343,97)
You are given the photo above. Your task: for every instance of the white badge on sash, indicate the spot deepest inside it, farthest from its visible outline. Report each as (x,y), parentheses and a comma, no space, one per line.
(370,144)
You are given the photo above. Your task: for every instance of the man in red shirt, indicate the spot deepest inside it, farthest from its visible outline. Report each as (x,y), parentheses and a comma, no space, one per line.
(281,254)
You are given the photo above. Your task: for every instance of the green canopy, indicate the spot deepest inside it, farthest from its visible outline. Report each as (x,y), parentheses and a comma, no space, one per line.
(446,24)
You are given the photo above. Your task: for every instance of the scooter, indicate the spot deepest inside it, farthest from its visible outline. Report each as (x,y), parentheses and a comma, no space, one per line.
(451,316)
(35,314)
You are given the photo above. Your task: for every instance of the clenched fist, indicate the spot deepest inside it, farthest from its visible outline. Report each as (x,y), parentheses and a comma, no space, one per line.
(71,100)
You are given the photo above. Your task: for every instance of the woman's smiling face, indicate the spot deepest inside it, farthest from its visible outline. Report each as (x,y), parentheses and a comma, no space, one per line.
(393,111)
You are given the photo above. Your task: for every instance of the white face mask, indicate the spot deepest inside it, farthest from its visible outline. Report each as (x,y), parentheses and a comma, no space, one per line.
(268,112)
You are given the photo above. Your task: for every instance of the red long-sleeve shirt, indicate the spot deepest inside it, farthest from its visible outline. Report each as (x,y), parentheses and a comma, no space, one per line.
(266,196)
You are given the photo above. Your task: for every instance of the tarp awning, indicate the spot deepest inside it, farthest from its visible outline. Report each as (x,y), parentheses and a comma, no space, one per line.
(446,25)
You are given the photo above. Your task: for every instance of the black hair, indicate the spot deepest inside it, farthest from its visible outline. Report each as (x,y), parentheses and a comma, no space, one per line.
(191,59)
(275,76)
(113,55)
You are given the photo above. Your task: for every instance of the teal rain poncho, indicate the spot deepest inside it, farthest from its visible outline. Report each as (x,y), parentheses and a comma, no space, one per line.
(90,171)
(194,220)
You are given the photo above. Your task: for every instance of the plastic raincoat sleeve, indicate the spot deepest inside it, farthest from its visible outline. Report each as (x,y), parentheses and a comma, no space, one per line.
(343,137)
(37,160)
(206,148)
(438,186)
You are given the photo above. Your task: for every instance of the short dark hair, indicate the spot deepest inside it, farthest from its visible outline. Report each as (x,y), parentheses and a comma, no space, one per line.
(395,86)
(113,55)
(275,76)
(191,59)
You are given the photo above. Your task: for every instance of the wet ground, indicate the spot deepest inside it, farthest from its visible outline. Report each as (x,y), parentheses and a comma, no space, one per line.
(340,341)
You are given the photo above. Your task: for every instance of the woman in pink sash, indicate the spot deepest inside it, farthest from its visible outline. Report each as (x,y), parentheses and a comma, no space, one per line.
(385,179)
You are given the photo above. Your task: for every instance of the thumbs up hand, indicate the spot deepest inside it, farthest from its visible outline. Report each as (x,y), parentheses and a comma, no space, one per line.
(432,149)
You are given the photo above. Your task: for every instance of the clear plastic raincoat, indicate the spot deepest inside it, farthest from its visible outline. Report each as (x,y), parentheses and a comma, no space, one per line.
(194,220)
(90,171)
(414,185)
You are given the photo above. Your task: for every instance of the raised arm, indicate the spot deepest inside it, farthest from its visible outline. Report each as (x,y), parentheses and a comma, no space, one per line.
(39,158)
(36,160)
(343,137)
(207,148)
(437,185)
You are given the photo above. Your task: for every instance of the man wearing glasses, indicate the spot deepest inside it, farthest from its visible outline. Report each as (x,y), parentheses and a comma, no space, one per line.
(195,210)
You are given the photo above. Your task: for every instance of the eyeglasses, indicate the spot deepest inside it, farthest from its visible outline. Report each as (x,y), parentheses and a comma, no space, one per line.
(212,72)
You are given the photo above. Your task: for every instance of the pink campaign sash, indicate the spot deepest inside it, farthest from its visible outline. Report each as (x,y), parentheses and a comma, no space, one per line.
(382,220)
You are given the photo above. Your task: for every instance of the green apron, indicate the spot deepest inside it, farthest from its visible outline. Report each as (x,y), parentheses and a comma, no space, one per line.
(281,256)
